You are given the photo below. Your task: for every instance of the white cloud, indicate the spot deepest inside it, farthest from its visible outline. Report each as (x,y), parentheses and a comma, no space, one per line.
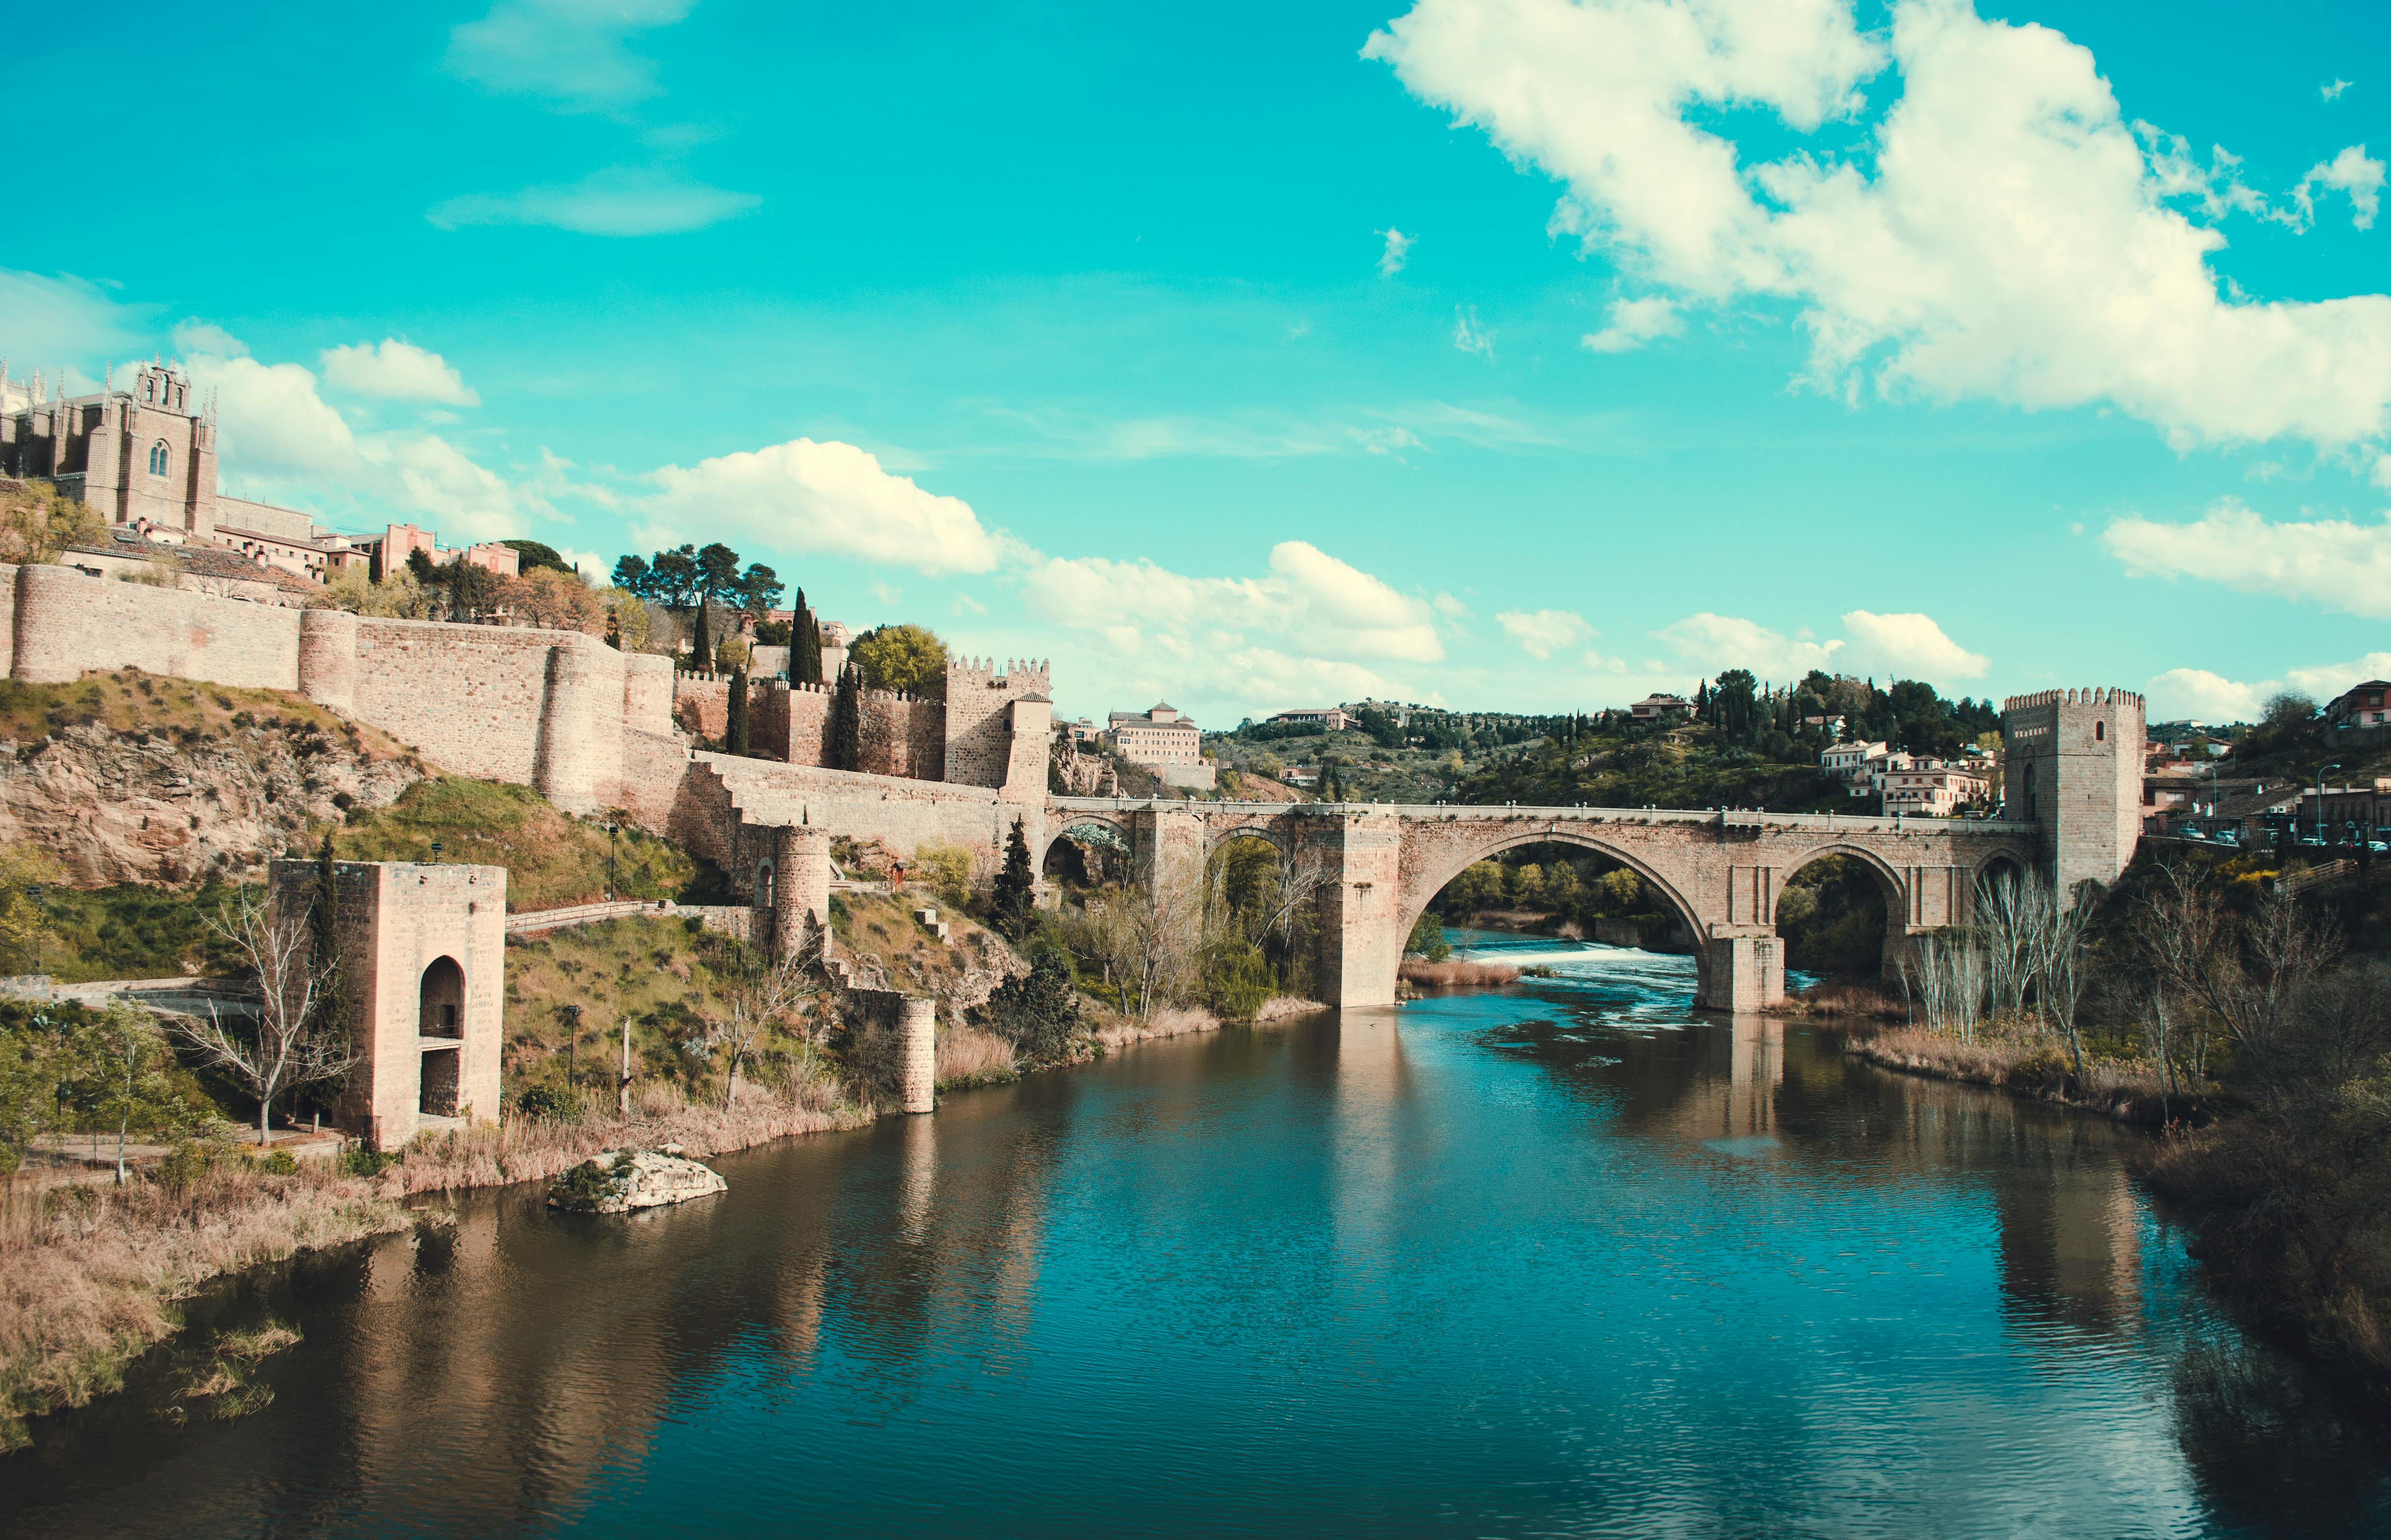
(1398,251)
(596,570)
(2350,172)
(1905,646)
(271,422)
(207,337)
(620,200)
(1910,645)
(47,323)
(1309,621)
(1541,633)
(2337,563)
(571,52)
(828,497)
(2196,695)
(437,479)
(396,371)
(1635,322)
(2331,90)
(2206,696)
(1716,642)
(1468,336)
(2002,235)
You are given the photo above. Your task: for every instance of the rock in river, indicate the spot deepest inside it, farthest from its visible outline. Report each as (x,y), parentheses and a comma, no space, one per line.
(616,1180)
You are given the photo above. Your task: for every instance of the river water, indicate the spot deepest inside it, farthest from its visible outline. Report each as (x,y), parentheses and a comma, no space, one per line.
(1561,1258)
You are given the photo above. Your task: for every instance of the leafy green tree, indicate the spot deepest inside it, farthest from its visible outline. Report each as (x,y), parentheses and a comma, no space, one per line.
(1734,706)
(631,576)
(734,731)
(531,555)
(122,1075)
(758,590)
(1039,1012)
(906,658)
(1427,939)
(847,721)
(1010,906)
(674,578)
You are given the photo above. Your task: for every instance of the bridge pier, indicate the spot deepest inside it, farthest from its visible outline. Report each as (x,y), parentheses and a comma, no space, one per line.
(1742,970)
(1362,930)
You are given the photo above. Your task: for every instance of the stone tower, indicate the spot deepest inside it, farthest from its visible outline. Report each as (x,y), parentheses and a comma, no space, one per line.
(2072,762)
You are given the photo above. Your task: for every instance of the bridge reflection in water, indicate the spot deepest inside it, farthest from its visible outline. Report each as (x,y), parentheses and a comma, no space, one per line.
(1559,1256)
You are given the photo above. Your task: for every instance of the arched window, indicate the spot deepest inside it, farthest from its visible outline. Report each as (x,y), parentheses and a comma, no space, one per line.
(2100,732)
(158,458)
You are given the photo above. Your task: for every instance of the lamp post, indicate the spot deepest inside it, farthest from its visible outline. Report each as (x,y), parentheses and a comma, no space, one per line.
(2320,769)
(435,852)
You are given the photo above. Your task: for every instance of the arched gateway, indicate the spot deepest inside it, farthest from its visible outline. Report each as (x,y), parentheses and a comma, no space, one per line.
(2072,757)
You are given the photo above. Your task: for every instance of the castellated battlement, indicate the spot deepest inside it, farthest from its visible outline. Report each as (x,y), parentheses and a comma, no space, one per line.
(2071,698)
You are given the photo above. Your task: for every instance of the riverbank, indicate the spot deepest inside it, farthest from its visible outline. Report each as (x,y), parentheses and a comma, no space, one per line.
(96,1274)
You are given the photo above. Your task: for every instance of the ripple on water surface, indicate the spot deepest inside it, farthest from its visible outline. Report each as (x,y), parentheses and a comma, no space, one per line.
(1556,1258)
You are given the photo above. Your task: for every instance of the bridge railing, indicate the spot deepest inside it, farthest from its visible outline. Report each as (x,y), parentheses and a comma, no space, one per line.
(1496,812)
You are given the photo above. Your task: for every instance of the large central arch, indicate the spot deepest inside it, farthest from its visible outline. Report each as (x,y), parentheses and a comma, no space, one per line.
(1433,880)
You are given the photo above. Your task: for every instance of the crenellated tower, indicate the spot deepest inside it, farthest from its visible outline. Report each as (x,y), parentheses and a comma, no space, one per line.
(2071,762)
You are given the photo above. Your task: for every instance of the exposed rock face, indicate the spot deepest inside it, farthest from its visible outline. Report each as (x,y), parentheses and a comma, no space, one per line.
(617,1180)
(134,807)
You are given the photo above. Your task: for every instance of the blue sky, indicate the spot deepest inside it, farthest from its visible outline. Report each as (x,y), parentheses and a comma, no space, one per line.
(1497,353)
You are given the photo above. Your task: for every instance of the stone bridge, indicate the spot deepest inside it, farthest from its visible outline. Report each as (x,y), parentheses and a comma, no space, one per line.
(1720,872)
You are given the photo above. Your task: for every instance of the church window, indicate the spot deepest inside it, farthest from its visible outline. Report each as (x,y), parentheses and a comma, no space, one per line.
(158,458)
(148,390)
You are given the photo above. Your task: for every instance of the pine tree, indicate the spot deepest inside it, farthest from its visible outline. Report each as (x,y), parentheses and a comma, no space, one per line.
(1012,904)
(804,644)
(734,731)
(847,722)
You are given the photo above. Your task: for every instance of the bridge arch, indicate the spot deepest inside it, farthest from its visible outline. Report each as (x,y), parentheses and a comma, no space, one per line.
(1435,879)
(1060,826)
(1892,887)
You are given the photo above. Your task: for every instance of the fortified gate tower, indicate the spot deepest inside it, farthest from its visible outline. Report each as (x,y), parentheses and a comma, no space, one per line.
(2072,763)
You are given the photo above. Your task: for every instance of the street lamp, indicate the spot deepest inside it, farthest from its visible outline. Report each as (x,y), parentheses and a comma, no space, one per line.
(435,851)
(2320,769)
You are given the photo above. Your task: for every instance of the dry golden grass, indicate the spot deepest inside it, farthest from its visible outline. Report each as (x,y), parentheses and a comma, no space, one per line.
(1170,1022)
(1455,974)
(1836,998)
(91,1276)
(129,701)
(968,1056)
(2020,1058)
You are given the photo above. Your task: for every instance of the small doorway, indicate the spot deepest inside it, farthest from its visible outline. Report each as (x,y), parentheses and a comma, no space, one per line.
(439,1094)
(443,998)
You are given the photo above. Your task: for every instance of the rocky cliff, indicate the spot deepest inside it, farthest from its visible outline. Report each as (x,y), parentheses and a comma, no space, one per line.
(148,807)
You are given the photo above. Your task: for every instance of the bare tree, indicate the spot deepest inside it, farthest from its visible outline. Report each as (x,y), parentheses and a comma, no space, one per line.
(2011,913)
(761,991)
(292,1044)
(2242,973)
(2063,969)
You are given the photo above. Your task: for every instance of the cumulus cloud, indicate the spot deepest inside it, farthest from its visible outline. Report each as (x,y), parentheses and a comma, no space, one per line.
(2350,172)
(1541,633)
(2331,90)
(1468,336)
(828,497)
(620,200)
(573,53)
(396,371)
(1398,251)
(2000,235)
(271,422)
(1909,646)
(2203,696)
(2337,563)
(1635,322)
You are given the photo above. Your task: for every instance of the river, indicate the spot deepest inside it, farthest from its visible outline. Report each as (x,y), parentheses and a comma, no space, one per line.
(1560,1258)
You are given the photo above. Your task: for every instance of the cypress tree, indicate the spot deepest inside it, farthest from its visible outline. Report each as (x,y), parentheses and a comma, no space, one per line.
(700,652)
(1011,904)
(847,722)
(734,731)
(804,644)
(614,631)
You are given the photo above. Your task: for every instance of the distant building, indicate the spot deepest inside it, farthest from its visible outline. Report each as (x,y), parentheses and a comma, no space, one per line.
(1660,707)
(1848,762)
(1937,791)
(2361,706)
(1083,731)
(1834,725)
(388,551)
(1333,717)
(1300,775)
(1163,741)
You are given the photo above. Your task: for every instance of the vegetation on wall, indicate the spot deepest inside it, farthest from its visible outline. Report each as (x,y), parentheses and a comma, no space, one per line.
(551,857)
(905,658)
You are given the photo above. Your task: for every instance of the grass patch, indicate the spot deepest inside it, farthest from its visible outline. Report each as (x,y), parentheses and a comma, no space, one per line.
(150,705)
(551,857)
(133,931)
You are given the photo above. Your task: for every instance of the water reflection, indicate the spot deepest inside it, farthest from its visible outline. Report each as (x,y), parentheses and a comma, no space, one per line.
(1561,1258)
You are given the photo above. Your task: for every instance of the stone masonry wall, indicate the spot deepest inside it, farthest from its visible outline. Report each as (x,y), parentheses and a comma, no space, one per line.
(978,717)
(65,623)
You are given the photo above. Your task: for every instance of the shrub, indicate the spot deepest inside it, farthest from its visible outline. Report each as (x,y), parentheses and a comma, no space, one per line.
(551,1103)
(946,868)
(1039,1012)
(280,1162)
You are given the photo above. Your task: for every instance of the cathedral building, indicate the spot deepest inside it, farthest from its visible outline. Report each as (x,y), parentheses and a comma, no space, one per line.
(146,455)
